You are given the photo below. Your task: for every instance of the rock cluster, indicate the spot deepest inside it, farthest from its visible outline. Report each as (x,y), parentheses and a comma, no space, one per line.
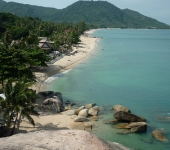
(83,113)
(135,123)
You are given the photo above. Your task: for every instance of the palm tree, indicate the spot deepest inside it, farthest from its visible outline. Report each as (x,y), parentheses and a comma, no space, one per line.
(31,39)
(18,102)
(7,38)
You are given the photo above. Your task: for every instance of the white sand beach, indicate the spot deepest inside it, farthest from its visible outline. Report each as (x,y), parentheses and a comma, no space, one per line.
(52,119)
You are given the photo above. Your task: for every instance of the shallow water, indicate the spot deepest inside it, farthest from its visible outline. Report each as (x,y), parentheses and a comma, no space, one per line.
(129,67)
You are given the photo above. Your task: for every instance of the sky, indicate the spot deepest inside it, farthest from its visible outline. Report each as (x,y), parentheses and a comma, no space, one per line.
(157,9)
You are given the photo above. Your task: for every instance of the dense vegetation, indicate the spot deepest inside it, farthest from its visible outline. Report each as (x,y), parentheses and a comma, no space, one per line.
(95,13)
(18,59)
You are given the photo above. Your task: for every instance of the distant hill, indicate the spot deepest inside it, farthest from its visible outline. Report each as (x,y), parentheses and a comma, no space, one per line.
(98,13)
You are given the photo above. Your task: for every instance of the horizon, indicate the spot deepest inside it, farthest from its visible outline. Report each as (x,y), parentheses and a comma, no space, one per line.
(155,9)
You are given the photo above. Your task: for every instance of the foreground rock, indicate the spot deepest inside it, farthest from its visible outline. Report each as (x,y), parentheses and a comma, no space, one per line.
(62,139)
(125,116)
(121,108)
(158,134)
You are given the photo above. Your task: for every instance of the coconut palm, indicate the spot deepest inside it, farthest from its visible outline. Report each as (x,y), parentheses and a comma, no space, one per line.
(18,102)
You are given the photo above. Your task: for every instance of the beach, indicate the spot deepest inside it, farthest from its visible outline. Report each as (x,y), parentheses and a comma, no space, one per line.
(51,119)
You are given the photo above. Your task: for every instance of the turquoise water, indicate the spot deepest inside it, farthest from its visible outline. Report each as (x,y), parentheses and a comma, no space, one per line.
(129,67)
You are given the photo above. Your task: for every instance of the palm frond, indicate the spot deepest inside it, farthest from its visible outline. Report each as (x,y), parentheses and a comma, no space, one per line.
(24,113)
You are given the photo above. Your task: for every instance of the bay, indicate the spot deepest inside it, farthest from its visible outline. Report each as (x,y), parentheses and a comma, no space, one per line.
(129,67)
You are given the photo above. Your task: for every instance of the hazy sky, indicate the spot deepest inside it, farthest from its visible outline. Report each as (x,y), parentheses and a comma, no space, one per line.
(157,9)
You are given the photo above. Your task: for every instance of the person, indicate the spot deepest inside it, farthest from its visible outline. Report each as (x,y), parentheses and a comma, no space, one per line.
(91,127)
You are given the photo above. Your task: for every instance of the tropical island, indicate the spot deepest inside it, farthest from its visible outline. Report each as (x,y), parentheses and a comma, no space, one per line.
(33,52)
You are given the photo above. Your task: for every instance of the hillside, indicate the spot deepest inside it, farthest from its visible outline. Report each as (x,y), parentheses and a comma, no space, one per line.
(98,13)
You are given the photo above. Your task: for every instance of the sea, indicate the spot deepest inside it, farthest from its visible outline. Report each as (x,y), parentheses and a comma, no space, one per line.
(130,67)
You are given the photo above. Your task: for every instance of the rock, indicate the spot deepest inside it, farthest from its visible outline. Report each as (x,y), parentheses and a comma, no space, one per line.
(70,112)
(50,140)
(83,113)
(137,126)
(80,119)
(59,95)
(90,105)
(79,109)
(55,103)
(94,111)
(121,108)
(67,108)
(88,124)
(125,116)
(158,134)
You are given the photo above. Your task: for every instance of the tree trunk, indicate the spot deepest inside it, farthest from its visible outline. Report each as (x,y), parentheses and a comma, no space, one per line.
(19,121)
(12,132)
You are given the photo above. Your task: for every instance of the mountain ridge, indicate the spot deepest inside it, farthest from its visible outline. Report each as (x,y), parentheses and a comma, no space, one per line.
(97,13)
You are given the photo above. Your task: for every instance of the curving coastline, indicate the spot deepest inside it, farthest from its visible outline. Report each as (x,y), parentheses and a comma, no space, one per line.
(84,49)
(47,74)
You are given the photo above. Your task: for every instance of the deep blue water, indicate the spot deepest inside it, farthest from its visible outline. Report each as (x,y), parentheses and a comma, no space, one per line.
(129,67)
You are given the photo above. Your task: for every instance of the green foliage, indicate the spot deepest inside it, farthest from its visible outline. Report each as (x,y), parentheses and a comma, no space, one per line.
(96,13)
(19,101)
(17,58)
(15,63)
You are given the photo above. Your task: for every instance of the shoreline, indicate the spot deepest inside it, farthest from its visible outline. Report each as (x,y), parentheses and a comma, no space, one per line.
(84,49)
(48,119)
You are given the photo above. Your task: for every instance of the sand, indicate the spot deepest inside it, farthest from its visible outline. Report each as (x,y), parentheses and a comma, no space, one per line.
(50,119)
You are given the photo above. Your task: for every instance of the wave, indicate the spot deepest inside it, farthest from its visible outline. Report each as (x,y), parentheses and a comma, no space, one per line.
(55,76)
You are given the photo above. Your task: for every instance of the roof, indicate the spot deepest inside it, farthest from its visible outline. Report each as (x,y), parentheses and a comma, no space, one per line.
(45,46)
(3,96)
(43,40)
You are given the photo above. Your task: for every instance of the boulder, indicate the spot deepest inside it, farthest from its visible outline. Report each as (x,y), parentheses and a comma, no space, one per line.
(90,105)
(55,103)
(80,119)
(125,116)
(67,108)
(94,111)
(70,112)
(137,126)
(158,134)
(59,95)
(88,124)
(83,113)
(121,108)
(79,109)
(58,139)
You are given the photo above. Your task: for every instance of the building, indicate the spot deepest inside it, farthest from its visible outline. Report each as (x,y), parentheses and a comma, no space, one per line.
(45,45)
